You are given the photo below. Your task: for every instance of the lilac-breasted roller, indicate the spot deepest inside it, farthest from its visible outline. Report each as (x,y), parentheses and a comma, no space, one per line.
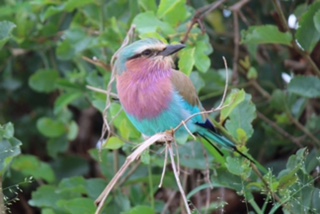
(156,97)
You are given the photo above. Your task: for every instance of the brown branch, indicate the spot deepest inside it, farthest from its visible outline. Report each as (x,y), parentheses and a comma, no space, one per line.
(274,195)
(97,62)
(258,87)
(169,201)
(279,129)
(236,10)
(200,14)
(303,129)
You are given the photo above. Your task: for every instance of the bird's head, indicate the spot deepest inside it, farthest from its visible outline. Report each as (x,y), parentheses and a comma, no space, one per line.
(146,54)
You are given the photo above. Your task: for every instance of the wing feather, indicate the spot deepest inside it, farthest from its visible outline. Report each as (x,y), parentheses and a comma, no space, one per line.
(185,87)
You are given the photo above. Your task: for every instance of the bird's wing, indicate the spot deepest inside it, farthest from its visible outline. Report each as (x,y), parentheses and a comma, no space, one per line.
(185,87)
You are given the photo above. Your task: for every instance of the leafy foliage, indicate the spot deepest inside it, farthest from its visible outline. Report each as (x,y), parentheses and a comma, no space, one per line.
(46,47)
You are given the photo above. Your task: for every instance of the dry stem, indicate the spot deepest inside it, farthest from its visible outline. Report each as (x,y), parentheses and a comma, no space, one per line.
(131,158)
(176,175)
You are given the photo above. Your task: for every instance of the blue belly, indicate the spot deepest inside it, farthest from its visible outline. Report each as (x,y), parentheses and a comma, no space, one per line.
(170,118)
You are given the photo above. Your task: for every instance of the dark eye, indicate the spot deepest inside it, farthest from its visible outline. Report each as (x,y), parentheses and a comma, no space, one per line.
(147,52)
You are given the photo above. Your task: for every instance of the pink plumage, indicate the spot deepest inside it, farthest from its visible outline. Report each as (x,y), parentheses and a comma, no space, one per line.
(137,88)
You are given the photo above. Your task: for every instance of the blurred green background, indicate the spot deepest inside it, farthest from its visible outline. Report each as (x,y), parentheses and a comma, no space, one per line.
(50,122)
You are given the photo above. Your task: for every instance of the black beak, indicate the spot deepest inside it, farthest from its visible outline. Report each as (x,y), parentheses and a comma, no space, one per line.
(171,49)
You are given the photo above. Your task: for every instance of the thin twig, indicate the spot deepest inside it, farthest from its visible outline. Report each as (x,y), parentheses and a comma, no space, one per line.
(258,87)
(279,129)
(164,166)
(99,90)
(200,14)
(236,8)
(274,195)
(303,129)
(177,179)
(97,62)
(188,130)
(106,129)
(226,83)
(178,158)
(172,196)
(130,172)
(207,171)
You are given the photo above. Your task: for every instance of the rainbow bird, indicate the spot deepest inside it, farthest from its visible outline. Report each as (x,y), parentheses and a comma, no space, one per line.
(156,97)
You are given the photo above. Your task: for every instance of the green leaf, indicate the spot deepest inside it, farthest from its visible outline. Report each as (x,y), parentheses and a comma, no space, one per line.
(148,23)
(241,118)
(267,34)
(78,205)
(187,60)
(145,157)
(122,123)
(279,100)
(237,166)
(202,61)
(95,185)
(73,184)
(197,81)
(69,166)
(305,86)
(6,131)
(316,20)
(31,166)
(65,99)
(6,28)
(173,11)
(307,34)
(232,101)
(76,40)
(194,159)
(47,196)
(252,73)
(140,209)
(113,143)
(9,148)
(73,130)
(51,128)
(56,146)
(148,5)
(43,80)
(76,4)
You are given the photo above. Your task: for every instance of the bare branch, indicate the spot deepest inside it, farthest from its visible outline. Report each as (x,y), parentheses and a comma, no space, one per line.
(130,159)
(200,14)
(164,166)
(226,83)
(97,62)
(99,90)
(176,175)
(279,129)
(236,10)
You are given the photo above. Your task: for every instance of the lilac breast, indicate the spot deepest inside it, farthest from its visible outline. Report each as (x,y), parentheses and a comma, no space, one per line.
(145,95)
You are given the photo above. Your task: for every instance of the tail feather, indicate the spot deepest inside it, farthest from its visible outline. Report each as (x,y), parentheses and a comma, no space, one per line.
(209,135)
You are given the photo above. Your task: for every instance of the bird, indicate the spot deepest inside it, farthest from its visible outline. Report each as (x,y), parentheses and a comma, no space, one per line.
(157,98)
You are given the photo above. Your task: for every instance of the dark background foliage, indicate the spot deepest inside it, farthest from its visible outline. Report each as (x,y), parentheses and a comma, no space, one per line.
(51,121)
